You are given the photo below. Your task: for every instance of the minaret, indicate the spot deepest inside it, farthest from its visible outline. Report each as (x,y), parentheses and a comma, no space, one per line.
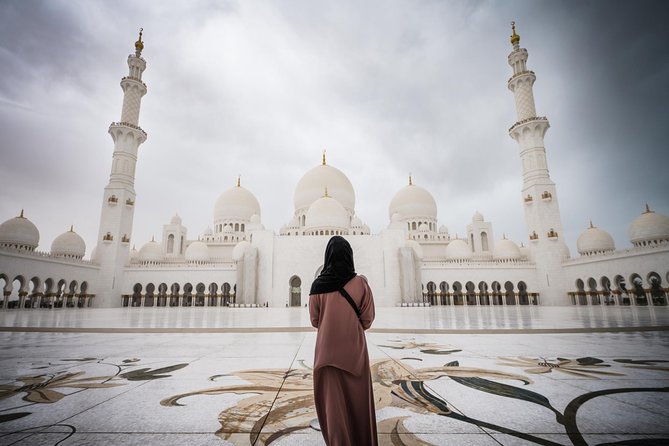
(118,201)
(542,213)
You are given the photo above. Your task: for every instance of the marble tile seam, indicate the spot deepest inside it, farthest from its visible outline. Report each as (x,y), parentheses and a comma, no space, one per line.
(629,329)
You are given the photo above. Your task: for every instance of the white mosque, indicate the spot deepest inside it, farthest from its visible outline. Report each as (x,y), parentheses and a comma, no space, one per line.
(413,262)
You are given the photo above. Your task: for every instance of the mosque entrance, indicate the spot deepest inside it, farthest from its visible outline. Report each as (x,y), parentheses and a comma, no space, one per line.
(295,292)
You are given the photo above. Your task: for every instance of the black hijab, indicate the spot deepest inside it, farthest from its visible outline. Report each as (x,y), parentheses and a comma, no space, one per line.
(338,267)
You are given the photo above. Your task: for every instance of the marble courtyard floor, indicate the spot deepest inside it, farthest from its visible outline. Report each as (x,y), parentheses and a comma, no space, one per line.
(442,375)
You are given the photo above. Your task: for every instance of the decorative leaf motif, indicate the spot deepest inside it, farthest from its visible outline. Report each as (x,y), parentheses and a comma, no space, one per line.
(591,361)
(434,351)
(640,361)
(147,374)
(508,391)
(13,416)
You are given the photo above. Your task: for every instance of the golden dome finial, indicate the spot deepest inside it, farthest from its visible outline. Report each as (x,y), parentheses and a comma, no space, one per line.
(139,45)
(410,180)
(21,215)
(515,38)
(239,180)
(503,235)
(153,238)
(324,163)
(647,211)
(71,228)
(326,193)
(591,225)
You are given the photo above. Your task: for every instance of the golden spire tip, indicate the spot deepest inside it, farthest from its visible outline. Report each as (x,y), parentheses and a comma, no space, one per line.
(410,180)
(139,45)
(326,192)
(591,225)
(515,38)
(71,228)
(324,162)
(647,210)
(239,180)
(21,216)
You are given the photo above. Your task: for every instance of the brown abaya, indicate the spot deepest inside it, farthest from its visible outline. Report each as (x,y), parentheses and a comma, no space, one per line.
(342,379)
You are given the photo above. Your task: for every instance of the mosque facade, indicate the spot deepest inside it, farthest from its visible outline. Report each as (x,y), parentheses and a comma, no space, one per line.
(412,262)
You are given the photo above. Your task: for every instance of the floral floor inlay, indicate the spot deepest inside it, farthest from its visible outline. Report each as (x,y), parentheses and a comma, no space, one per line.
(429,390)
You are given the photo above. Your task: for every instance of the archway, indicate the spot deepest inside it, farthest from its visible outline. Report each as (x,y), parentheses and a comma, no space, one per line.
(497,293)
(657,293)
(432,293)
(445,298)
(621,290)
(606,291)
(162,295)
(484,296)
(509,294)
(457,294)
(213,294)
(580,292)
(225,293)
(187,299)
(639,292)
(150,295)
(295,291)
(47,300)
(592,291)
(136,295)
(471,293)
(199,295)
(174,295)
(523,298)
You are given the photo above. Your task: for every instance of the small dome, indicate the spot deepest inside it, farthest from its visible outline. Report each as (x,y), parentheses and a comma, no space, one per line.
(649,227)
(525,252)
(458,250)
(443,229)
(565,250)
(477,216)
(197,252)
(396,222)
(413,201)
(240,249)
(311,186)
(176,220)
(208,231)
(69,244)
(150,252)
(326,212)
(417,249)
(506,250)
(594,240)
(134,254)
(19,232)
(227,229)
(236,203)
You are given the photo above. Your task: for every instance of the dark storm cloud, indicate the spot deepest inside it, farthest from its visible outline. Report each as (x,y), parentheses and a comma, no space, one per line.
(260,88)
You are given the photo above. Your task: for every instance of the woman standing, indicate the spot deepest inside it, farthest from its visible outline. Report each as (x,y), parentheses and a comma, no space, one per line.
(341,307)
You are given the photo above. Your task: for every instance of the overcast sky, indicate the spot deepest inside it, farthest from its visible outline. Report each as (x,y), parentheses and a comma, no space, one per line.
(387,87)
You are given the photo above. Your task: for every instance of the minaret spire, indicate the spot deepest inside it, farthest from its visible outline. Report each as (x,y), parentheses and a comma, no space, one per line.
(118,201)
(539,195)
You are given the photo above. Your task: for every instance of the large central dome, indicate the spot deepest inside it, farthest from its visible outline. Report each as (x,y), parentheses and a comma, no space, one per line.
(311,186)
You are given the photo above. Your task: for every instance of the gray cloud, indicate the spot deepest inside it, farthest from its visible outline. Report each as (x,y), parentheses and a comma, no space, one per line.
(259,89)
